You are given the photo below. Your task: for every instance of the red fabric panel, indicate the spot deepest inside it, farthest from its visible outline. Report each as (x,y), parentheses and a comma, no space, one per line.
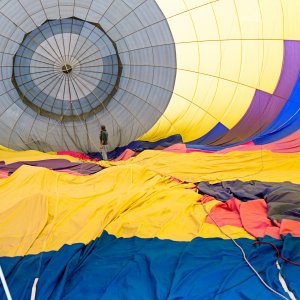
(226,213)
(76,155)
(254,215)
(251,215)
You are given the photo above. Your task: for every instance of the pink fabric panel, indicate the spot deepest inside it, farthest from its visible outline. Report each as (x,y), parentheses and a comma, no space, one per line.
(3,174)
(288,144)
(190,150)
(125,155)
(71,172)
(176,148)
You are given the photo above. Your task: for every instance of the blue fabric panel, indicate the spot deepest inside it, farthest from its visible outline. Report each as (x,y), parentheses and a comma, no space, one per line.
(134,268)
(291,251)
(287,122)
(213,134)
(140,146)
(210,148)
(295,95)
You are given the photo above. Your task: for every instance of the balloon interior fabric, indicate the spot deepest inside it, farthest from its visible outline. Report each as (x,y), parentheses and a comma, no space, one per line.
(200,197)
(67,67)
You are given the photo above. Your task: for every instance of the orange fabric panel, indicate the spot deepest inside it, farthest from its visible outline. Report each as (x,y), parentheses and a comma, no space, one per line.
(252,216)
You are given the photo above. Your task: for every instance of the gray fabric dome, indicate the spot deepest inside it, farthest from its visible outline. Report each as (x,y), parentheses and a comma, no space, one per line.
(67,67)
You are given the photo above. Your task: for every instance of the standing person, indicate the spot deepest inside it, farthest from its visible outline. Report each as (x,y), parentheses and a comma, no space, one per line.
(103,142)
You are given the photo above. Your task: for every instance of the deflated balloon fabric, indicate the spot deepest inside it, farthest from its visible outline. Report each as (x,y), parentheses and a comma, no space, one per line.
(213,167)
(253,217)
(10,156)
(54,164)
(125,201)
(136,268)
(283,199)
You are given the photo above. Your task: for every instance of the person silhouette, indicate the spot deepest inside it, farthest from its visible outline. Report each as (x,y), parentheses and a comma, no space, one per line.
(103,142)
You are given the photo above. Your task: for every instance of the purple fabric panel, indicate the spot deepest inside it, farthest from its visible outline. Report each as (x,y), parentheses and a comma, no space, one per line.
(55,164)
(265,107)
(290,69)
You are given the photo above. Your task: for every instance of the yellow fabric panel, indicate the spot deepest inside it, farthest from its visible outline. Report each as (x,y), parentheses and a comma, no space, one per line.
(250,19)
(187,123)
(244,165)
(178,109)
(188,119)
(222,99)
(227,19)
(10,156)
(187,56)
(210,58)
(206,90)
(190,4)
(162,221)
(170,9)
(194,120)
(168,124)
(209,230)
(205,24)
(185,84)
(238,106)
(193,124)
(162,128)
(197,123)
(124,200)
(291,13)
(272,64)
(231,59)
(206,124)
(252,63)
(182,28)
(184,113)
(272,19)
(23,217)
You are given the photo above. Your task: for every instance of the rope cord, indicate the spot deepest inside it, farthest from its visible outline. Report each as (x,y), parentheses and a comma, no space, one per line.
(278,253)
(243,254)
(6,289)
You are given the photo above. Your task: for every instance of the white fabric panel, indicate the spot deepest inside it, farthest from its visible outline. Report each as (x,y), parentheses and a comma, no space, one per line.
(128,27)
(133,4)
(4,133)
(11,115)
(148,13)
(117,11)
(5,102)
(137,40)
